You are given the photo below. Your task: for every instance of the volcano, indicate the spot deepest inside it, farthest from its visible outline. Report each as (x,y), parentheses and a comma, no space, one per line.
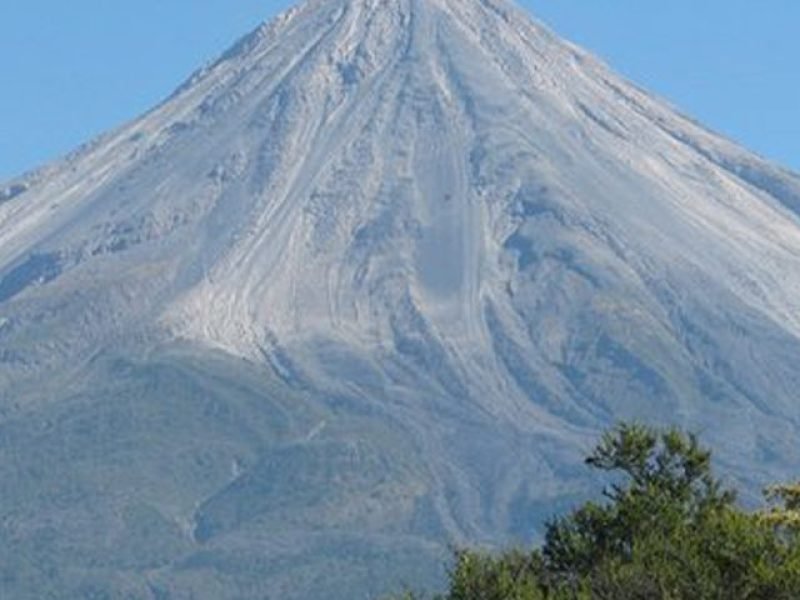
(368,286)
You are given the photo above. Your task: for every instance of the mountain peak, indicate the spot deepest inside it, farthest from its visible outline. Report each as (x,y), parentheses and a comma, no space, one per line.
(391,17)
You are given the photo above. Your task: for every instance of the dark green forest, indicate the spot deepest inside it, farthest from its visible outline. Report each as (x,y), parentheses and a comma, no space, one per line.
(666,528)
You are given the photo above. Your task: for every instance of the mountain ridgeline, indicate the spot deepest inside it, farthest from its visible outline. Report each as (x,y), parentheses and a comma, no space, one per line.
(367,286)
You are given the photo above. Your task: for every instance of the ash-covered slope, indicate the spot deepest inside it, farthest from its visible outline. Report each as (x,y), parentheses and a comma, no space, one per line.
(366,286)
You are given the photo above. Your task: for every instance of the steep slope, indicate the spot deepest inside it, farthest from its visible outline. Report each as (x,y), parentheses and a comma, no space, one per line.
(366,286)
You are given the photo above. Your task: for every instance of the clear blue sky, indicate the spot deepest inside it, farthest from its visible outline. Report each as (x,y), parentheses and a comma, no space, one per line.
(71,69)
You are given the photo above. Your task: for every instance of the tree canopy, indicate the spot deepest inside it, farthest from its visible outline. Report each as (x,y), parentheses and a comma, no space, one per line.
(666,528)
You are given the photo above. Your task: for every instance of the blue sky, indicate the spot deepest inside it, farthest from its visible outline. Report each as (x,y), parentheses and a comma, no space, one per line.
(70,70)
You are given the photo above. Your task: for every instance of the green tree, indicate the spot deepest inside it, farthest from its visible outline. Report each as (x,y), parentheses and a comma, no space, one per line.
(664,482)
(667,530)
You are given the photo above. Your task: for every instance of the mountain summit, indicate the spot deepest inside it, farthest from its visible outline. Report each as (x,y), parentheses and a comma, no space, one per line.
(365,287)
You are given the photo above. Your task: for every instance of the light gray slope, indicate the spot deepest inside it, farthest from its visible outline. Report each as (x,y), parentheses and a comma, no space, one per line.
(367,285)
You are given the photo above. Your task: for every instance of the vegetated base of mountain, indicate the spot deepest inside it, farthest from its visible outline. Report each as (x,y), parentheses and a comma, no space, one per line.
(188,473)
(367,286)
